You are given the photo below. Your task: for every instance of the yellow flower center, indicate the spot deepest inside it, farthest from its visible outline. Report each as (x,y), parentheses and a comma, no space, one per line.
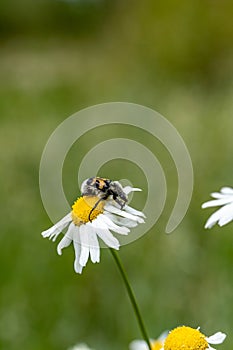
(156,345)
(185,338)
(86,209)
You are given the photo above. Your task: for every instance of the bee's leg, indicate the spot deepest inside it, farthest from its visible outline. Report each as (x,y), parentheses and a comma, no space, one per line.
(117,199)
(95,206)
(120,201)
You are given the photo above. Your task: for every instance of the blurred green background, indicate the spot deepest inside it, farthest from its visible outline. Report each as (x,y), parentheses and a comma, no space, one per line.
(58,57)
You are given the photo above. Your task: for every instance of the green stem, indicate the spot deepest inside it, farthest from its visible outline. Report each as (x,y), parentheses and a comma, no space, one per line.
(132,297)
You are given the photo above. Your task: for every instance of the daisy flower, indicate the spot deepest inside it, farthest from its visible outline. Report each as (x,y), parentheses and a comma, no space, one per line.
(93,218)
(223,215)
(187,338)
(156,344)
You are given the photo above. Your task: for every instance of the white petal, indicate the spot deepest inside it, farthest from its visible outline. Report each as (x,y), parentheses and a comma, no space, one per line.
(77,267)
(217,202)
(134,211)
(66,240)
(222,216)
(217,195)
(85,246)
(225,220)
(210,222)
(81,346)
(107,237)
(50,232)
(54,231)
(121,221)
(227,190)
(114,227)
(224,192)
(77,248)
(142,345)
(114,210)
(129,189)
(94,245)
(217,338)
(138,345)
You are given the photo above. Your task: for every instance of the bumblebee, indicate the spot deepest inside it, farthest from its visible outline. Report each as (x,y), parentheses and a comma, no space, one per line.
(104,188)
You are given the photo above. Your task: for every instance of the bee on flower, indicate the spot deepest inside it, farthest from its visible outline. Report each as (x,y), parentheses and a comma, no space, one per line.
(156,344)
(187,338)
(101,210)
(224,215)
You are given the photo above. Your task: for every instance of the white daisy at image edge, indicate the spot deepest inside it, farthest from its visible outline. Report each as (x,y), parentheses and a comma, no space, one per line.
(215,339)
(224,215)
(110,217)
(185,337)
(155,343)
(80,346)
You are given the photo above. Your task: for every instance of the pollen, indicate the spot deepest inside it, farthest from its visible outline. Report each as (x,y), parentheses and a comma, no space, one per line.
(156,345)
(86,209)
(185,338)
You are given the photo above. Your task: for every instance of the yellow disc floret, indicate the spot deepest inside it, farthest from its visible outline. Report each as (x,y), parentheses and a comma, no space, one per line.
(86,209)
(156,345)
(185,338)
